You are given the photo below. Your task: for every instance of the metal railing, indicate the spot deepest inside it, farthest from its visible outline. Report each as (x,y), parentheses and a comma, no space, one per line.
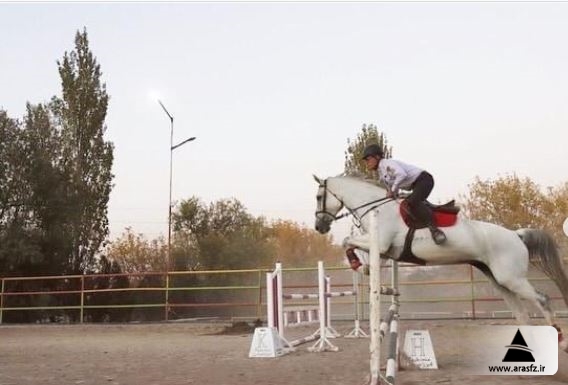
(224,293)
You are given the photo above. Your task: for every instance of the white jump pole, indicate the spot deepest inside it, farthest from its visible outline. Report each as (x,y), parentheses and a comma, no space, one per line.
(280,303)
(323,344)
(357,332)
(274,306)
(270,300)
(374,298)
(378,328)
(330,331)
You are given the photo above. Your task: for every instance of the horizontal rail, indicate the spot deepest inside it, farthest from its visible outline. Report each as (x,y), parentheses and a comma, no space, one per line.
(54,292)
(77,299)
(214,304)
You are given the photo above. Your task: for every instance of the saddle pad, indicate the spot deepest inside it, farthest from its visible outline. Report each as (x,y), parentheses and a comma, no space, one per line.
(444,219)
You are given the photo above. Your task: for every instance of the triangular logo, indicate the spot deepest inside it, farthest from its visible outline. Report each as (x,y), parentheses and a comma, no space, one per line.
(518,350)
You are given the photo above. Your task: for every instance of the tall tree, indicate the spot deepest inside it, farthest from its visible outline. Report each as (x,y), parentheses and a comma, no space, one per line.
(369,135)
(86,157)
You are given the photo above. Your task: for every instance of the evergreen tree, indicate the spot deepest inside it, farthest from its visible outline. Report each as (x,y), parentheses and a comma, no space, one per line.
(86,158)
(369,134)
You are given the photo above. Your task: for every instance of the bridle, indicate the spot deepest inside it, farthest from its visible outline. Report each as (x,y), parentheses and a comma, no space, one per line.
(324,199)
(351,211)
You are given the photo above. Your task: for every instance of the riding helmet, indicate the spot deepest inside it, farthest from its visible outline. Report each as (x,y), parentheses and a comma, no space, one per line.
(373,150)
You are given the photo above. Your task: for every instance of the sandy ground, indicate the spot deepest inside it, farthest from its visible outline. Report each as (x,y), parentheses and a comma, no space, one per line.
(192,353)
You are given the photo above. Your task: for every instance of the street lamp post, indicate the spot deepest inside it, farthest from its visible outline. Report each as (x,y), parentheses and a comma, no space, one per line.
(172,148)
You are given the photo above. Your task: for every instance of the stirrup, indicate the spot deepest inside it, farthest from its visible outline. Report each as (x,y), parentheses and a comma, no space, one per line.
(438,236)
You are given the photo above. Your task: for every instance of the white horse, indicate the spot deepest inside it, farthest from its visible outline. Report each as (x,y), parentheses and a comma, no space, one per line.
(502,255)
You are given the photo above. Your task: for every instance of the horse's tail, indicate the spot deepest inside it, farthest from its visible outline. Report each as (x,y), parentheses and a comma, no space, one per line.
(543,253)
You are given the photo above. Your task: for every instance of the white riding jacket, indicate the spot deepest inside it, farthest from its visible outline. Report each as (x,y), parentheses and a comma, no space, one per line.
(397,175)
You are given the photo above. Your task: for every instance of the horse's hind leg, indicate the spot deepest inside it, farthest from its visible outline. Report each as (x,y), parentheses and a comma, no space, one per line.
(510,270)
(520,286)
(540,300)
(511,299)
(515,304)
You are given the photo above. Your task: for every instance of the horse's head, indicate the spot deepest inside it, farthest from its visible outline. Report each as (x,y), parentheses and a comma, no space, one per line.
(328,205)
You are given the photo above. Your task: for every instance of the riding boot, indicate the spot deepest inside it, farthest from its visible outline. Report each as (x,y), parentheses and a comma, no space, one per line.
(427,216)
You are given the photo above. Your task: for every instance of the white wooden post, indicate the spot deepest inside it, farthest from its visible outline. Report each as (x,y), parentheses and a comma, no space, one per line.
(280,298)
(269,300)
(374,298)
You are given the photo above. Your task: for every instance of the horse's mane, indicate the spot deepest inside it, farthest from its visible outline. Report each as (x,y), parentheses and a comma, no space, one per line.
(361,177)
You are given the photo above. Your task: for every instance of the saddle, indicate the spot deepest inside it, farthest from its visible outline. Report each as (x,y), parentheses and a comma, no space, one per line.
(444,215)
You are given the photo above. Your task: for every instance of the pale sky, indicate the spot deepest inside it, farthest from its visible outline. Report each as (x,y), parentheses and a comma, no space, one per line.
(273,90)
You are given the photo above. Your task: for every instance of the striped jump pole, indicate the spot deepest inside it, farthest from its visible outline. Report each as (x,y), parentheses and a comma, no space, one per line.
(393,352)
(374,299)
(379,328)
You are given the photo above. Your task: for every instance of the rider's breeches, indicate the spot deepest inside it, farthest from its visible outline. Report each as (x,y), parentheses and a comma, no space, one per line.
(421,189)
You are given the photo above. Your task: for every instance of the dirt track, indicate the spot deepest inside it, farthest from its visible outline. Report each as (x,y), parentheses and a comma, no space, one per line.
(168,354)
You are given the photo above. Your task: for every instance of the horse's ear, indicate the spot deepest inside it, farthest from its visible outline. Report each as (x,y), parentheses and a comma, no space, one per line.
(317,179)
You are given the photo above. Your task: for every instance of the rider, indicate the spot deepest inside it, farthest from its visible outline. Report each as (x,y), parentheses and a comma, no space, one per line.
(396,175)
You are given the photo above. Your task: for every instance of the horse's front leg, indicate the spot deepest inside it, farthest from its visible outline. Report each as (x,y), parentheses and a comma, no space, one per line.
(352,243)
(361,242)
(357,242)
(354,261)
